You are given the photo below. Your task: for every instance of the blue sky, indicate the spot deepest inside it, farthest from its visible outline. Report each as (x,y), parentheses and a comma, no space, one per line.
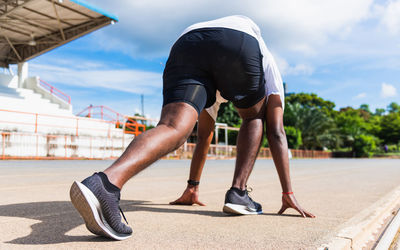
(345,51)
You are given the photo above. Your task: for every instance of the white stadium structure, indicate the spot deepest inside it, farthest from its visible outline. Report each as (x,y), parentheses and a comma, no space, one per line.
(36,119)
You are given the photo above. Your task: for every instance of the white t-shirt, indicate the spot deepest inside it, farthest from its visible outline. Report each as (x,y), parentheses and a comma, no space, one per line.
(273,79)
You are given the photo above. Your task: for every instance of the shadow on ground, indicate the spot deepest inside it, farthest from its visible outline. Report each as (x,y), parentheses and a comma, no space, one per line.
(59,217)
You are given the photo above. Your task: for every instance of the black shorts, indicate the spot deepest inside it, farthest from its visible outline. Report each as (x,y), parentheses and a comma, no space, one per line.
(209,59)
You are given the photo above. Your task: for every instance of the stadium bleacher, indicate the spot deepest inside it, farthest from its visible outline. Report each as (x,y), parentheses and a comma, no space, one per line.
(36,119)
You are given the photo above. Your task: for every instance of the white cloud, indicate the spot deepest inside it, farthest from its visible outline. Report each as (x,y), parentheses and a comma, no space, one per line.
(94,75)
(301,69)
(388,90)
(298,69)
(391,16)
(149,28)
(360,96)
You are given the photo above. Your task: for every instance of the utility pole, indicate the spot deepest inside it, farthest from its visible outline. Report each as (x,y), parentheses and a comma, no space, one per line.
(142,101)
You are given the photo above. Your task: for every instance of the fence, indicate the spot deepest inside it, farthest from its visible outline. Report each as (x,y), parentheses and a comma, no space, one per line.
(104,113)
(57,124)
(17,145)
(44,136)
(299,153)
(229,151)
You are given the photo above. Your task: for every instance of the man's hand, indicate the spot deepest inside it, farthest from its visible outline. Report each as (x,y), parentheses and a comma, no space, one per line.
(189,197)
(289,201)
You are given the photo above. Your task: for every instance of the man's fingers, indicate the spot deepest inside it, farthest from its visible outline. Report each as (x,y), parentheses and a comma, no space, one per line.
(174,202)
(300,211)
(200,203)
(310,215)
(177,202)
(305,214)
(283,209)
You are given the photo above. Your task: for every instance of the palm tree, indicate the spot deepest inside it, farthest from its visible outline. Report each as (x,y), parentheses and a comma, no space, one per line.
(317,128)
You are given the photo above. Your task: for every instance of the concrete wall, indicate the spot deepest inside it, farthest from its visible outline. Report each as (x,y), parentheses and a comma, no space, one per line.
(9,81)
(29,88)
(20,145)
(34,84)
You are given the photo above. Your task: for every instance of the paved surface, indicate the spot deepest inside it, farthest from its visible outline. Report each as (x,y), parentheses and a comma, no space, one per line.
(35,211)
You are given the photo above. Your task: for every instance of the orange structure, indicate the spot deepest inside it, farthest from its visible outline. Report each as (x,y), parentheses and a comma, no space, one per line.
(129,124)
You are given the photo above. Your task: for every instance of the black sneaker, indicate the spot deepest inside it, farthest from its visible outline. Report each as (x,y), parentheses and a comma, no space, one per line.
(239,202)
(99,207)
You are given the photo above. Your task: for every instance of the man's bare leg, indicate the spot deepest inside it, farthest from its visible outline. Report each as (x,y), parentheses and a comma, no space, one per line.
(278,144)
(205,132)
(248,143)
(237,200)
(97,197)
(176,124)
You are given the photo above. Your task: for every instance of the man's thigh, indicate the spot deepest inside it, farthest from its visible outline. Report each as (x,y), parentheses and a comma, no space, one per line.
(256,111)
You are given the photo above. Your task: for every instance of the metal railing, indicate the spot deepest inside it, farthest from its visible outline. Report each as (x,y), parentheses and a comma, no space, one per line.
(54,91)
(81,139)
(229,151)
(17,145)
(40,123)
(129,123)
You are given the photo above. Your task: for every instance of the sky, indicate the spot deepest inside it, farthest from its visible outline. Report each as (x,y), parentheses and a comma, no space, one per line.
(345,51)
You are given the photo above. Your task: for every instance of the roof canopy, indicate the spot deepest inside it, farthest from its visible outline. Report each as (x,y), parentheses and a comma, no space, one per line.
(29,28)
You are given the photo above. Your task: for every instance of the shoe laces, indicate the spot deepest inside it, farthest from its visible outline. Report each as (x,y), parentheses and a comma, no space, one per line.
(249,190)
(123,215)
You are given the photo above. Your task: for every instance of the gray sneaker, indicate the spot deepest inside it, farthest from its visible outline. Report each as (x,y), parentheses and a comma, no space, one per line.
(99,208)
(239,202)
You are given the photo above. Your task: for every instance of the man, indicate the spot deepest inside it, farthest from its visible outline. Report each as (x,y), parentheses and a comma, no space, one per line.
(205,131)
(223,55)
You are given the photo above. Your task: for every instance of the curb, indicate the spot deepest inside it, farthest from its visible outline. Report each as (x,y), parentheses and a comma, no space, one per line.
(360,229)
(390,233)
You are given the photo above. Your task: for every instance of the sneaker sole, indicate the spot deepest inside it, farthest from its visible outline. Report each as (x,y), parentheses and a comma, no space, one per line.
(89,208)
(230,208)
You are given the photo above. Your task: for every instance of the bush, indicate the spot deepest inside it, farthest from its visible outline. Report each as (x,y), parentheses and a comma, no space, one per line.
(265,143)
(392,148)
(293,136)
(364,145)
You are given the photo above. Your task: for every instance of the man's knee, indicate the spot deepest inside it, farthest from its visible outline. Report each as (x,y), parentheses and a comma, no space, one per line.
(179,117)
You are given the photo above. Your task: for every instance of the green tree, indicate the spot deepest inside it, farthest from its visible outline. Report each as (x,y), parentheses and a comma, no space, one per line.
(364,111)
(314,124)
(365,107)
(311,101)
(379,111)
(228,114)
(390,128)
(293,136)
(393,108)
(373,125)
(350,125)
(364,145)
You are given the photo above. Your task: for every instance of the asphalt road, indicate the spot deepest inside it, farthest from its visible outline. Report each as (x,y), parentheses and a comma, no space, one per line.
(35,211)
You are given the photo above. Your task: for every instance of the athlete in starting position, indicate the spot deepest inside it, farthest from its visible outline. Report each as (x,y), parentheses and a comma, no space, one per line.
(227,55)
